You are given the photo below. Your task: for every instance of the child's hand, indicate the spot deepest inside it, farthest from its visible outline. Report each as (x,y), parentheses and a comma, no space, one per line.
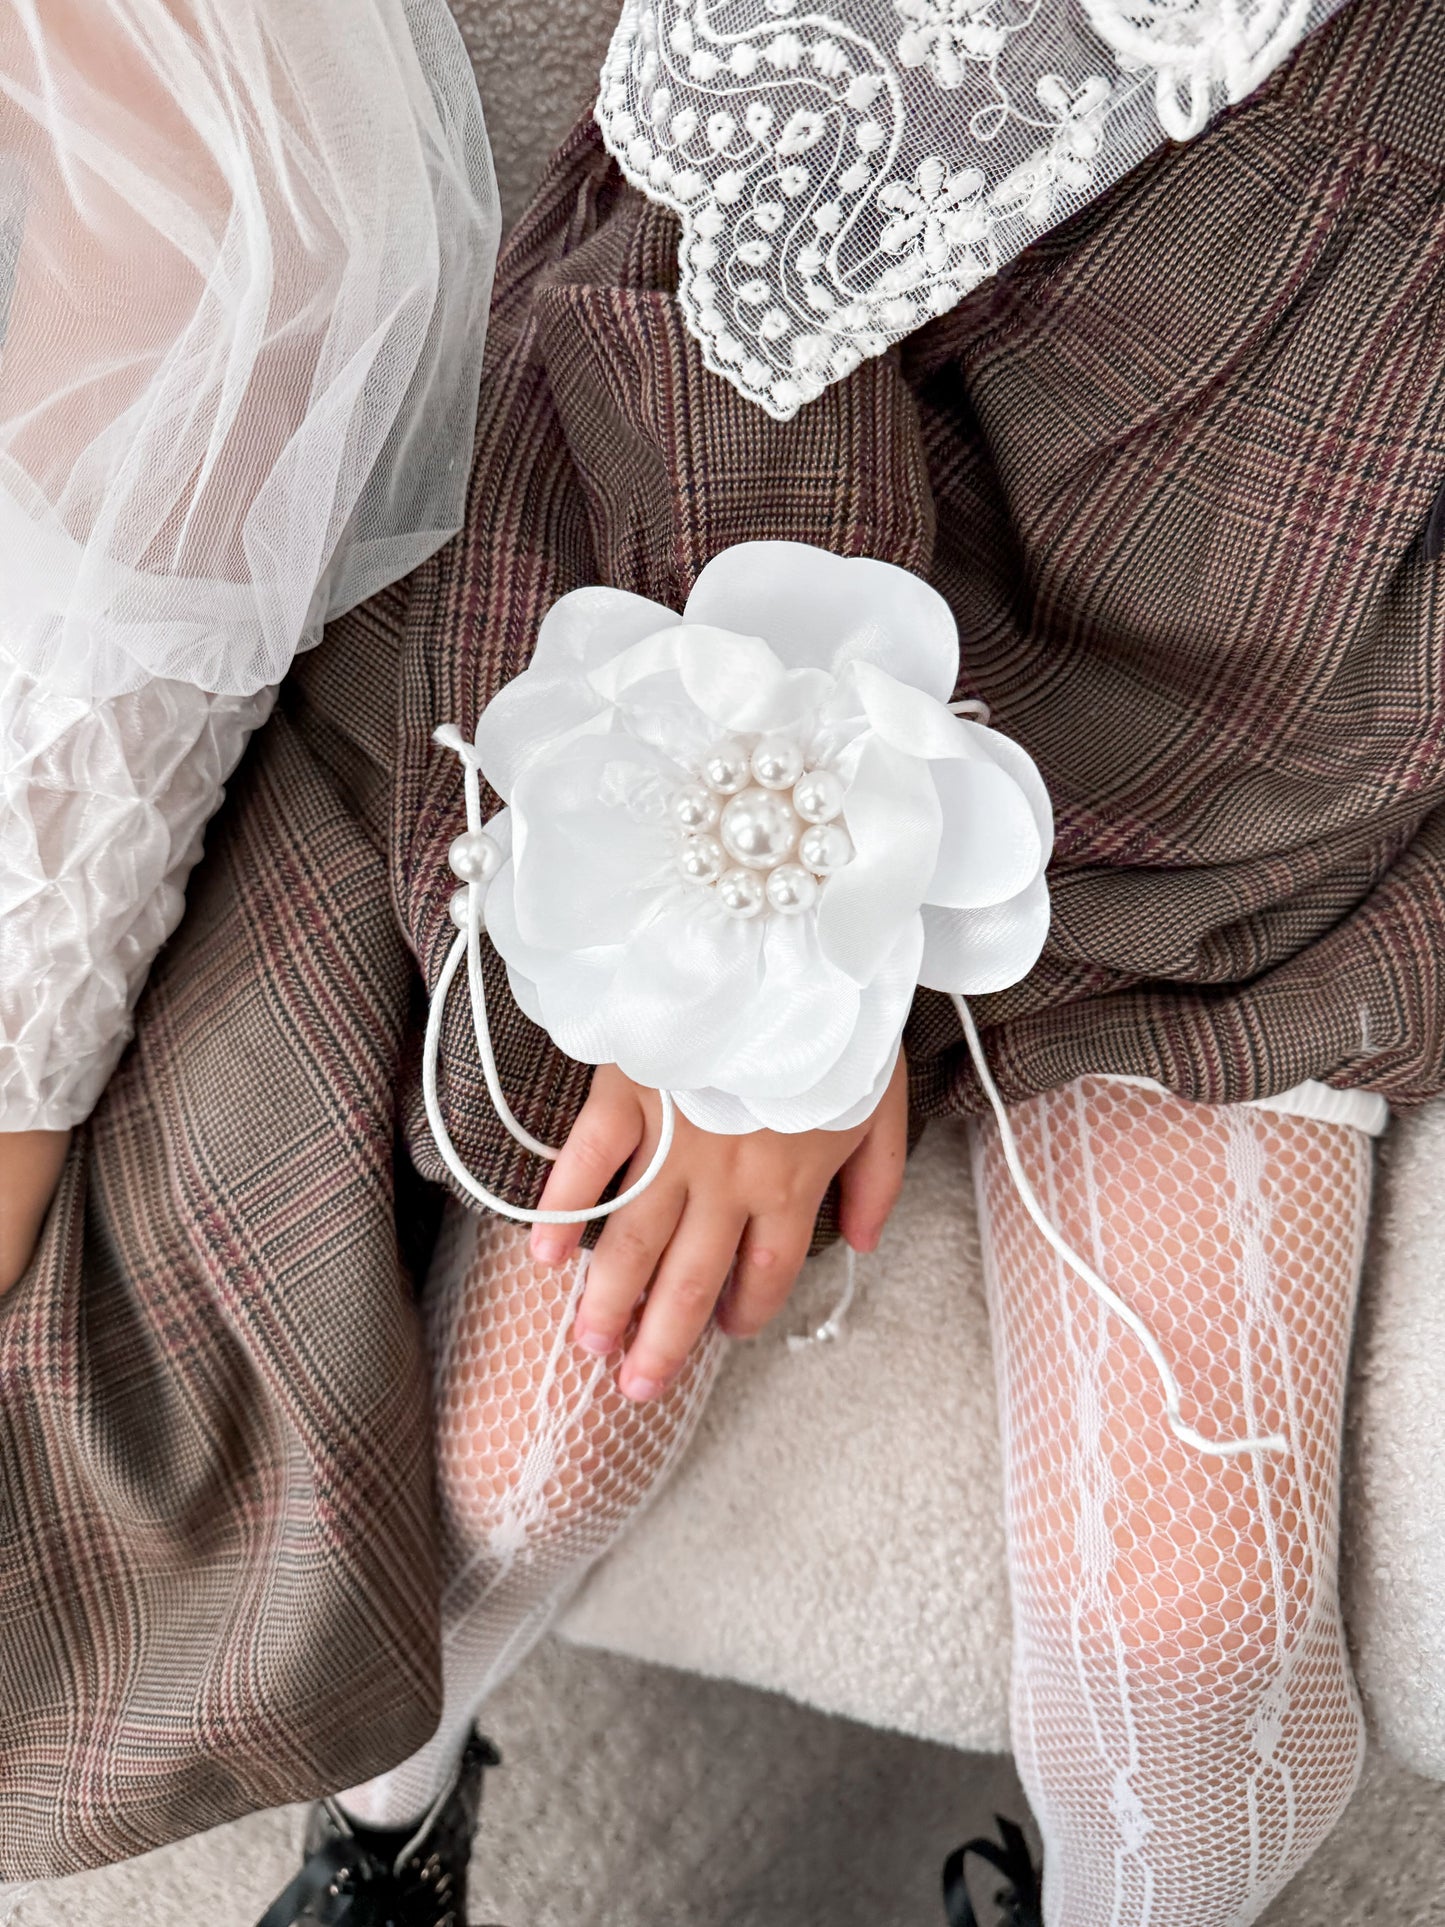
(752,1198)
(30,1163)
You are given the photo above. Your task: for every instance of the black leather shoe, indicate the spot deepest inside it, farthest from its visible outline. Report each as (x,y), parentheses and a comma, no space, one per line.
(355,1876)
(1019,1900)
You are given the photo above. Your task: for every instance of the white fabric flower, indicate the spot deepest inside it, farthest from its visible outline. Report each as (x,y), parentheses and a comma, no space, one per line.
(737,839)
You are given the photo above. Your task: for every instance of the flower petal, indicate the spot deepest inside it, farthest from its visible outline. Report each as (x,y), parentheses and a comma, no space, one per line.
(677,997)
(564,996)
(906,718)
(1013,757)
(977,951)
(820,611)
(590,866)
(738,681)
(850,1091)
(728,1116)
(527,717)
(587,627)
(894,818)
(989,849)
(797,1022)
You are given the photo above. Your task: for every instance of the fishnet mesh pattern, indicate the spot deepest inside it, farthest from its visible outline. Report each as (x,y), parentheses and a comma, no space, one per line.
(1184,1716)
(541,1463)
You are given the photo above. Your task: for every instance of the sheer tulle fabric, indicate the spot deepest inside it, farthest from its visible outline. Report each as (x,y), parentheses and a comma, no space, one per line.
(1185,1720)
(541,1463)
(245,258)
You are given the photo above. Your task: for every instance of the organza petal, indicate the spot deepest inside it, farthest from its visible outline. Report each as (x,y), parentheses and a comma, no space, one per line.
(588,627)
(977,951)
(989,848)
(850,1091)
(894,818)
(797,1022)
(590,866)
(526,718)
(686,978)
(820,610)
(564,996)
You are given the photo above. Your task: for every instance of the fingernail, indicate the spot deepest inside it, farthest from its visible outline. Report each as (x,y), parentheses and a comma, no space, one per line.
(548,1251)
(593,1341)
(641,1389)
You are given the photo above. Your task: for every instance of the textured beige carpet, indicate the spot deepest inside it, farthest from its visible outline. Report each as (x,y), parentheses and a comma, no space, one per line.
(635,1796)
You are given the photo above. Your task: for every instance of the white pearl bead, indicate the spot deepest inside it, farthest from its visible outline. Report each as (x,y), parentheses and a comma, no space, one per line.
(457,909)
(777,762)
(728,768)
(474,856)
(818,796)
(741,893)
(792,890)
(701,859)
(694,807)
(759,828)
(824,848)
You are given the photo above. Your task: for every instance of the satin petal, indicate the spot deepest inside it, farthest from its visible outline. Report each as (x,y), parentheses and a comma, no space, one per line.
(977,951)
(527,717)
(894,818)
(739,682)
(820,611)
(587,627)
(563,995)
(797,1023)
(1014,758)
(685,978)
(989,847)
(906,718)
(851,1089)
(588,870)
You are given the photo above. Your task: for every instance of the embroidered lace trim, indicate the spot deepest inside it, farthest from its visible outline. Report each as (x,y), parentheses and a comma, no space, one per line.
(845,172)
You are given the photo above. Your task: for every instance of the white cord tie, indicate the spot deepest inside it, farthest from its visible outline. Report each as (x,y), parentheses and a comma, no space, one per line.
(476,858)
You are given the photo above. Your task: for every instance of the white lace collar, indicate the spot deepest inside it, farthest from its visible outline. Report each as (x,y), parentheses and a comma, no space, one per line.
(844,173)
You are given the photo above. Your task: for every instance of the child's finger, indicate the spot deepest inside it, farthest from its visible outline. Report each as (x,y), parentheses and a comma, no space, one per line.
(608,1130)
(622,1266)
(769,1260)
(870,1182)
(679,1307)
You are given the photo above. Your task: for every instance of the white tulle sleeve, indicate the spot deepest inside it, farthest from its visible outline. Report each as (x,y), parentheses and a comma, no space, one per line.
(246,250)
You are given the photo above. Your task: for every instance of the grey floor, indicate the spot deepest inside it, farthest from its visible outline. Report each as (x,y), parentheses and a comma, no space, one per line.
(639,1797)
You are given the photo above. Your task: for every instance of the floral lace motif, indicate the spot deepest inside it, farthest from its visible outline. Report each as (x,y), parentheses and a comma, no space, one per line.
(844,174)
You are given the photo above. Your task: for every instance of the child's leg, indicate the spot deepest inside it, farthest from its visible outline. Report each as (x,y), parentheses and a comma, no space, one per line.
(541,1463)
(1184,1716)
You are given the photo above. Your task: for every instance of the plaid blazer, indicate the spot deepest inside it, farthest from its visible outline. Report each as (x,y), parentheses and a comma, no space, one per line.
(1174,472)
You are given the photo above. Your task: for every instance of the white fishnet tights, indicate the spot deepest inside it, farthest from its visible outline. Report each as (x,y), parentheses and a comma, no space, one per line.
(1184,1716)
(541,1462)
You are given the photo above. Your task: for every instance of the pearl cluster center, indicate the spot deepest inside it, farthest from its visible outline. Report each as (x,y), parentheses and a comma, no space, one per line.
(758,828)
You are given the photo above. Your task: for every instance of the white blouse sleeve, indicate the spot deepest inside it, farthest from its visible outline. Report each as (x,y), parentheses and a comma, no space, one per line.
(245,257)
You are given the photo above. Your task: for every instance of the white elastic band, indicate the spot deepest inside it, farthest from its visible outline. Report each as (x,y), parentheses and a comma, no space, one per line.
(1220,1448)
